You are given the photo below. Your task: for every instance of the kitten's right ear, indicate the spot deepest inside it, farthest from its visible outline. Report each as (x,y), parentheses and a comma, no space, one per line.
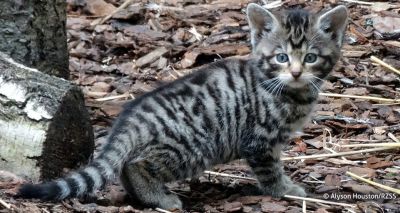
(334,23)
(261,22)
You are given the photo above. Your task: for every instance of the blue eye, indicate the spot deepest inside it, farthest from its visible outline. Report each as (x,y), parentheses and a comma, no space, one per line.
(282,58)
(310,58)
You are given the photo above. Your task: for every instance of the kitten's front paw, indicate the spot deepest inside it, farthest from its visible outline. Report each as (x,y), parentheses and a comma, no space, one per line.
(296,190)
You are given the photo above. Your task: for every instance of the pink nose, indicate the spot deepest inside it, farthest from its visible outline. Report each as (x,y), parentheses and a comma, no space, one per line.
(296,74)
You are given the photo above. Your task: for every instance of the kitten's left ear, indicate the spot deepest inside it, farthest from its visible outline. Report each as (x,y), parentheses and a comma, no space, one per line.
(334,22)
(261,22)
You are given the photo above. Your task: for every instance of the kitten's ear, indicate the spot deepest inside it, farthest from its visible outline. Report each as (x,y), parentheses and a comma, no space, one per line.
(334,22)
(261,22)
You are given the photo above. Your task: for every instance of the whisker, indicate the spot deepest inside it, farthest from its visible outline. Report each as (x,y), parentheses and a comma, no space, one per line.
(276,87)
(315,89)
(267,81)
(281,89)
(318,78)
(272,85)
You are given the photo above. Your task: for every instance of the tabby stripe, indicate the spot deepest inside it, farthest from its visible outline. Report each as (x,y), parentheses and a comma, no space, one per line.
(138,136)
(229,79)
(198,107)
(97,167)
(250,109)
(228,118)
(212,92)
(81,188)
(219,143)
(218,111)
(152,127)
(162,103)
(109,165)
(88,179)
(112,148)
(73,186)
(189,120)
(237,116)
(256,97)
(147,108)
(181,140)
(95,175)
(149,168)
(199,78)
(65,190)
(177,152)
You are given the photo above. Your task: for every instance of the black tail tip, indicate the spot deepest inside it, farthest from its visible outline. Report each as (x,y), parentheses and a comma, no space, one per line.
(47,191)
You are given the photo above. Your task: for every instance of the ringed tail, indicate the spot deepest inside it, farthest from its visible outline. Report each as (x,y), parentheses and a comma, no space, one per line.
(84,181)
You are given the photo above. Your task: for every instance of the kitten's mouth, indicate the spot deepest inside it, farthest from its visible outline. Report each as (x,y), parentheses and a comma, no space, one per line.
(281,83)
(292,82)
(297,83)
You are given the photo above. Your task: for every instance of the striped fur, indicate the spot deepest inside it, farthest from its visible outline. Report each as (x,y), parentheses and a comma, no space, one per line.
(228,110)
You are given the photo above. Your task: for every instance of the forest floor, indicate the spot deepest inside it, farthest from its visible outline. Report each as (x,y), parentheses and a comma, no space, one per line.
(147,44)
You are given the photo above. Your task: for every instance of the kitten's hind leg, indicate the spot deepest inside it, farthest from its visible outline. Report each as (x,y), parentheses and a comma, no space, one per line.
(140,183)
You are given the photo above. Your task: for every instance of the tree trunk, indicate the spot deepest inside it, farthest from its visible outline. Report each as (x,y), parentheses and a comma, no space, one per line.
(44,125)
(33,33)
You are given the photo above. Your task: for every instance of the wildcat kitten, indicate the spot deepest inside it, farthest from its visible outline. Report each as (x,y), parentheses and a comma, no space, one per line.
(228,110)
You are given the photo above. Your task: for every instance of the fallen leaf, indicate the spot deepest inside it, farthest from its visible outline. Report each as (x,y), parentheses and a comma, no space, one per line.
(375,163)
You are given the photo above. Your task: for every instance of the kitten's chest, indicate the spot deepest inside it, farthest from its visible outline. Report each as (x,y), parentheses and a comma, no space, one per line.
(296,116)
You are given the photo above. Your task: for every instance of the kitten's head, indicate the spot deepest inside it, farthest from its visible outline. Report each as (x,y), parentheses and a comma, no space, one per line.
(295,47)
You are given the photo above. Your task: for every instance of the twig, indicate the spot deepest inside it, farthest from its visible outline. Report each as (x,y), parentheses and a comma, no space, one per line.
(384,64)
(319,201)
(359,2)
(397,191)
(126,95)
(349,120)
(162,210)
(391,136)
(360,140)
(360,97)
(273,4)
(329,142)
(304,206)
(228,175)
(158,7)
(337,154)
(121,7)
(6,205)
(369,145)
